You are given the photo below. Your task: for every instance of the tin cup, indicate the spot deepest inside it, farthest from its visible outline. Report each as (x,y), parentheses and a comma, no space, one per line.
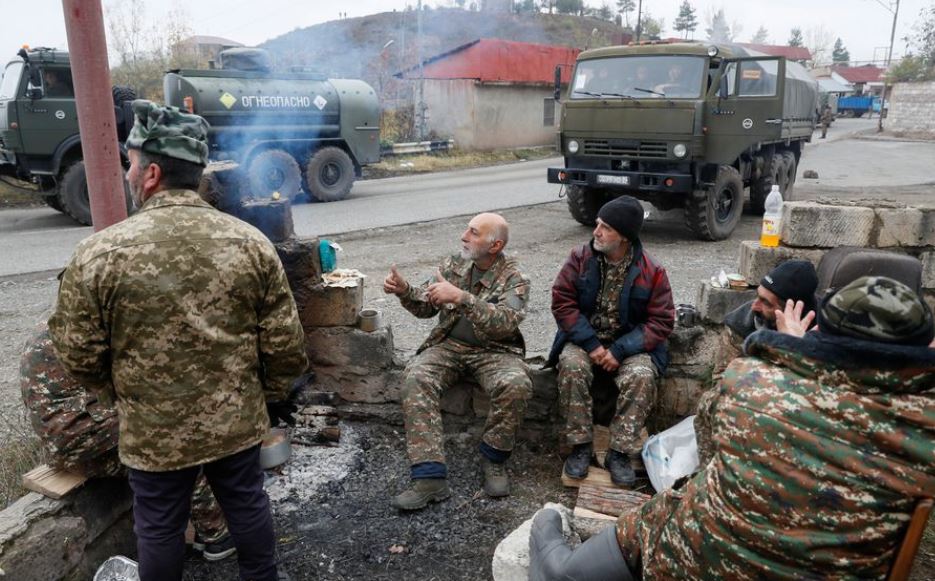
(369,320)
(686,315)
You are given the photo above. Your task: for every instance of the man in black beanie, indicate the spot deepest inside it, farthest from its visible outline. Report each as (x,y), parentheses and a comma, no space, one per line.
(613,306)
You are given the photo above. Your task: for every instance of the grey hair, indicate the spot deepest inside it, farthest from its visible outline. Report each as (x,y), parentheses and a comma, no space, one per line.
(499,232)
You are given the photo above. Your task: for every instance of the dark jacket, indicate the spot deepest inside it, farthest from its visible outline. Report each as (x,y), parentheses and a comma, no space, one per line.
(646,311)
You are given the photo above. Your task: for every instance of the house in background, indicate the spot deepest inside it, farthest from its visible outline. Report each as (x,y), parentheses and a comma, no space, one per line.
(864,80)
(204,48)
(492,93)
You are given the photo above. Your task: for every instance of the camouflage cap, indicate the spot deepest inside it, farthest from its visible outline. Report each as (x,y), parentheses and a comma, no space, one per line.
(877,308)
(169,131)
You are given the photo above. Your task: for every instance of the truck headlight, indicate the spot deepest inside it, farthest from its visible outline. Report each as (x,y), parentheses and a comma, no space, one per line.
(572,146)
(679,150)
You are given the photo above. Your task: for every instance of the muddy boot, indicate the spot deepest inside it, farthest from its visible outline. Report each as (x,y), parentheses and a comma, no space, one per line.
(578,462)
(496,480)
(421,492)
(621,471)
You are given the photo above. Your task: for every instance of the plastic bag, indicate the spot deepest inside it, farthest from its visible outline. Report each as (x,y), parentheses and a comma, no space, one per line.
(671,454)
(117,569)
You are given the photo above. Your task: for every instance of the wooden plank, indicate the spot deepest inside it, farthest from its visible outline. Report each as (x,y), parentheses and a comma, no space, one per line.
(608,500)
(596,476)
(906,553)
(51,482)
(585,513)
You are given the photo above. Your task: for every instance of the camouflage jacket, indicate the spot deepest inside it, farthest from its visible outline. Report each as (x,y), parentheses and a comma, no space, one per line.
(185,315)
(495,323)
(823,446)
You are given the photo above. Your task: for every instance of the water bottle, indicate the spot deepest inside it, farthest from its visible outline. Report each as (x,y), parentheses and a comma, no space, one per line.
(772,218)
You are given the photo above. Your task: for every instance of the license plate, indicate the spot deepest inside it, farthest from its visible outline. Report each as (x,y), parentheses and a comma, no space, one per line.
(617,180)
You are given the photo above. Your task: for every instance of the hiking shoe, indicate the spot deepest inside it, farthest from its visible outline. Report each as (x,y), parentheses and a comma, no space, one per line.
(621,471)
(421,492)
(578,462)
(496,480)
(219,549)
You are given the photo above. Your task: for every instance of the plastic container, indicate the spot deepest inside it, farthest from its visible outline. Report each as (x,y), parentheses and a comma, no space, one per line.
(772,218)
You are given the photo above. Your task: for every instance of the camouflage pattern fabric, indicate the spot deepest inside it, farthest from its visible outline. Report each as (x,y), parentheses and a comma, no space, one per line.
(606,317)
(495,319)
(169,131)
(878,309)
(80,433)
(729,347)
(503,376)
(636,381)
(823,444)
(185,315)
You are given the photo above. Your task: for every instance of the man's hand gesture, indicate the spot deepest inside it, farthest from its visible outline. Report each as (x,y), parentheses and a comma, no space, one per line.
(442,292)
(791,322)
(394,283)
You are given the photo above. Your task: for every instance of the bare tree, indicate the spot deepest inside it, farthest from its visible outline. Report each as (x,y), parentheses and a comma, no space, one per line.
(819,40)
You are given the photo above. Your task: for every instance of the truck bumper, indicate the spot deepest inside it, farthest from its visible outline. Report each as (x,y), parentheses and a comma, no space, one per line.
(621,180)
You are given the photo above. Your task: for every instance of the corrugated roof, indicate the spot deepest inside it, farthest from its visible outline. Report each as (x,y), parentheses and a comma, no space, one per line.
(793,53)
(862,74)
(497,60)
(831,86)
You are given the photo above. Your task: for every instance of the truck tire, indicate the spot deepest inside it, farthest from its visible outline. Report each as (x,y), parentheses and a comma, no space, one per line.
(329,174)
(713,213)
(124,115)
(761,187)
(787,179)
(54,202)
(73,193)
(274,170)
(584,203)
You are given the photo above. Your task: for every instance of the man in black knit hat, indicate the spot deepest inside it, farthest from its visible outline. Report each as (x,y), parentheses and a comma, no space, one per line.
(613,306)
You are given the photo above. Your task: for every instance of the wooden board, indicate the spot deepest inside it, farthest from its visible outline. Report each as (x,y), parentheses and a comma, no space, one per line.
(608,500)
(585,513)
(51,482)
(596,476)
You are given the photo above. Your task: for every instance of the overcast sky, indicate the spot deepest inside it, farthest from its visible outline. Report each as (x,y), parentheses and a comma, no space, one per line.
(863,25)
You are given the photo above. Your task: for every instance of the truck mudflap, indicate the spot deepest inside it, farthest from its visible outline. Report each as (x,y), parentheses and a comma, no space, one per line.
(623,180)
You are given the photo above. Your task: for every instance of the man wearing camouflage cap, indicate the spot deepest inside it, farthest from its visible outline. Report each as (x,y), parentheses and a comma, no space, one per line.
(824,446)
(184,315)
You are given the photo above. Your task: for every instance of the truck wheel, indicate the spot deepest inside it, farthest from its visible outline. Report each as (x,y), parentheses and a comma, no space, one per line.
(329,174)
(54,202)
(274,170)
(713,213)
(584,204)
(760,188)
(73,193)
(787,178)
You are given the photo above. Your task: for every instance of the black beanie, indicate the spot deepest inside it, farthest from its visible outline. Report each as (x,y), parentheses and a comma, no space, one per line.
(793,279)
(625,215)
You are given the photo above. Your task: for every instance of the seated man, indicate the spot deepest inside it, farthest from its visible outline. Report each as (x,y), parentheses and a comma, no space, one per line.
(80,434)
(480,296)
(824,446)
(613,306)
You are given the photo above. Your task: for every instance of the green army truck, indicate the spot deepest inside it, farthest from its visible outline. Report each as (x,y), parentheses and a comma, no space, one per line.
(39,139)
(686,125)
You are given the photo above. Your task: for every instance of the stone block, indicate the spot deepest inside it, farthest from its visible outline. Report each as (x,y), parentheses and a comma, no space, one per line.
(756,261)
(101,503)
(16,518)
(301,261)
(360,384)
(119,539)
(458,400)
(350,347)
(271,217)
(929,296)
(814,225)
(331,306)
(50,549)
(714,303)
(222,186)
(928,270)
(511,557)
(905,227)
(676,399)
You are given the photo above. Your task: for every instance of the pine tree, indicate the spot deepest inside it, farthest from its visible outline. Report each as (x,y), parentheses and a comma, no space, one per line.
(718,30)
(686,22)
(839,54)
(795,37)
(761,36)
(625,7)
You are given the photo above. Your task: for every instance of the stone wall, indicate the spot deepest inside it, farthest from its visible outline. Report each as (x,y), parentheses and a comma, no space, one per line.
(912,108)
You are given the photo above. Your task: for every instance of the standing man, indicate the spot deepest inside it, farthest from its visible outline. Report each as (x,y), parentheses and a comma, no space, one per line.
(826,118)
(184,315)
(480,296)
(613,306)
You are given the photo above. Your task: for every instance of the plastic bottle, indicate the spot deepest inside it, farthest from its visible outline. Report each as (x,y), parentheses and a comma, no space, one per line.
(772,218)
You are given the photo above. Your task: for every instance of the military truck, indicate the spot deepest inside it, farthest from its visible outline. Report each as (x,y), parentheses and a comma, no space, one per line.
(291,130)
(39,140)
(687,125)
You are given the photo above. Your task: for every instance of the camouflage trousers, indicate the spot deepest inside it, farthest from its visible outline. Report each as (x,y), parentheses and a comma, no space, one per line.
(636,382)
(503,376)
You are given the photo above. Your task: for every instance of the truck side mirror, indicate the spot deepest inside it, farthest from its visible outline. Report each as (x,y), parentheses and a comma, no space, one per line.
(557,90)
(724,87)
(35,83)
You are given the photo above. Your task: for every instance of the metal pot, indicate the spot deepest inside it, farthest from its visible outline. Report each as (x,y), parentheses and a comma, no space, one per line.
(275,448)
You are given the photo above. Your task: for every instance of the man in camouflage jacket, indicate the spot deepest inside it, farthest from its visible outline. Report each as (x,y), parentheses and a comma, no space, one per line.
(184,315)
(824,445)
(613,306)
(480,299)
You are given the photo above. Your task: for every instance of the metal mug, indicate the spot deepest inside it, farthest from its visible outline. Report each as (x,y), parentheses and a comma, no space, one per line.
(686,315)
(369,320)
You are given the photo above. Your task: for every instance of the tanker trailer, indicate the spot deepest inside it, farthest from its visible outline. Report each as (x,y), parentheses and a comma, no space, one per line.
(291,130)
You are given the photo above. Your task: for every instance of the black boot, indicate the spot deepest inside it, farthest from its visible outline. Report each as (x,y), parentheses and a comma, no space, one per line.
(621,471)
(577,463)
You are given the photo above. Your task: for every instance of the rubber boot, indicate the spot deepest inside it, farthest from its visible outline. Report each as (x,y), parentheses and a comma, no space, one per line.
(621,471)
(578,462)
(421,492)
(496,480)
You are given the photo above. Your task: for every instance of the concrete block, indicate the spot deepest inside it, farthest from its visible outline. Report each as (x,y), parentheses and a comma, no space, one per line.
(50,549)
(301,261)
(349,347)
(813,225)
(756,261)
(16,518)
(119,539)
(458,400)
(271,217)
(360,384)
(222,186)
(907,227)
(693,346)
(331,306)
(928,270)
(101,503)
(677,397)
(714,303)
(511,557)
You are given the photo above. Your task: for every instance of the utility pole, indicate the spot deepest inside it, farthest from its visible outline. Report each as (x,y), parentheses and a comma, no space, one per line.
(87,47)
(889,60)
(639,19)
(421,104)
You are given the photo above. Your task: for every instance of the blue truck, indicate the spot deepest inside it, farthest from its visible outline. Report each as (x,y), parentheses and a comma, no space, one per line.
(857,105)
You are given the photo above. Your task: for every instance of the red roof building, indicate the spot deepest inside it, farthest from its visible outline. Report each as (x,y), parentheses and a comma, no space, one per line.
(862,74)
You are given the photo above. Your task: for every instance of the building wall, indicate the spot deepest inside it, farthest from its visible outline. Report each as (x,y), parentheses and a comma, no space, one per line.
(912,107)
(450,110)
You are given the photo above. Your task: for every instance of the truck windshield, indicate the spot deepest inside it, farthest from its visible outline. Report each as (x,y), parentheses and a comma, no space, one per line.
(657,76)
(11,80)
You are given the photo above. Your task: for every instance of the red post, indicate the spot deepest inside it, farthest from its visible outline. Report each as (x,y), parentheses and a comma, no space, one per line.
(87,47)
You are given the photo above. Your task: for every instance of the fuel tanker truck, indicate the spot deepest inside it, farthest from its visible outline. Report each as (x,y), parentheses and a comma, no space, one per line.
(291,130)
(687,125)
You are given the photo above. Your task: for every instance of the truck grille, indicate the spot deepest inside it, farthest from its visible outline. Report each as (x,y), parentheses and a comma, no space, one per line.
(626,148)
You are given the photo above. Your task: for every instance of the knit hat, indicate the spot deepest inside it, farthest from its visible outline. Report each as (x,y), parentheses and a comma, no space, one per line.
(169,131)
(795,280)
(877,308)
(625,215)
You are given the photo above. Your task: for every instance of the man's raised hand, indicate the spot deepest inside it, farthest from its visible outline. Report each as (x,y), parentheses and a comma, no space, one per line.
(394,283)
(442,292)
